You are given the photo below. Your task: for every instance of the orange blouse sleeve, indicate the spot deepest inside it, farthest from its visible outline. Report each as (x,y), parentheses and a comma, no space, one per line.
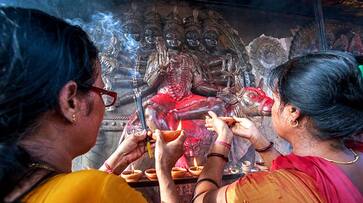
(277,186)
(89,186)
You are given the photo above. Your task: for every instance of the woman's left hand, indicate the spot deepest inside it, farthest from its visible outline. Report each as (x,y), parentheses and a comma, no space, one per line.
(131,149)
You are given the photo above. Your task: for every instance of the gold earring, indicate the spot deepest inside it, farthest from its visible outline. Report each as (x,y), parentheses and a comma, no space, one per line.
(74,118)
(294,123)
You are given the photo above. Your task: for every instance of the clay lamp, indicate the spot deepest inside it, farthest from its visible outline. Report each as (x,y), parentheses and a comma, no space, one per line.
(195,170)
(151,174)
(233,170)
(178,172)
(131,175)
(229,121)
(168,135)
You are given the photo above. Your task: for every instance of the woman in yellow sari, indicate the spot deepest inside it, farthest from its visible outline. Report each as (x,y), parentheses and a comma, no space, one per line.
(52,101)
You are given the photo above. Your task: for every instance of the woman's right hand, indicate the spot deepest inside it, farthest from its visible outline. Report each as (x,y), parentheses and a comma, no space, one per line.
(245,128)
(167,153)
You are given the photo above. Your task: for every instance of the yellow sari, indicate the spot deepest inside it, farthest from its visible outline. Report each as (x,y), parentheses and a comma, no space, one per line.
(84,186)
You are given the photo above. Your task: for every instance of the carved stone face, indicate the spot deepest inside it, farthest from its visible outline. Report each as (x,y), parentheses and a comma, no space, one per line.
(193,39)
(150,35)
(173,40)
(133,32)
(210,39)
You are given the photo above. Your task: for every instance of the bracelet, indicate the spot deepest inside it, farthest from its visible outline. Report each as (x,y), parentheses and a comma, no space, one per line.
(108,168)
(218,155)
(265,148)
(207,179)
(227,145)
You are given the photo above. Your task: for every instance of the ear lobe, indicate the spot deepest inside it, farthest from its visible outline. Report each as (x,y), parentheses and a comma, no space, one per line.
(68,102)
(294,113)
(292,109)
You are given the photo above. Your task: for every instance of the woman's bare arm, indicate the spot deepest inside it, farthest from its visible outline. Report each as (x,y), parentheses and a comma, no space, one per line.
(260,142)
(246,129)
(166,155)
(210,180)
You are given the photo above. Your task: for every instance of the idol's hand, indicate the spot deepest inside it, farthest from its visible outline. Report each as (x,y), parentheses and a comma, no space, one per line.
(162,53)
(167,153)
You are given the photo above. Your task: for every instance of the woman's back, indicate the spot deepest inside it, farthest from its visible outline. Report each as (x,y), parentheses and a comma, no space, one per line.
(84,186)
(300,179)
(277,186)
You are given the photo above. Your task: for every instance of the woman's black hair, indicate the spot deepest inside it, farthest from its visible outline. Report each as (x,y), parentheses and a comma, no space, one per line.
(39,54)
(327,87)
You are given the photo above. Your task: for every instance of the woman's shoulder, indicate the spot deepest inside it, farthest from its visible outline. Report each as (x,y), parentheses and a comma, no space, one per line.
(274,186)
(91,178)
(85,186)
(277,177)
(95,175)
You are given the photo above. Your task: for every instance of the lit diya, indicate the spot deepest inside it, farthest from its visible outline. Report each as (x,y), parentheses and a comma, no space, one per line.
(195,170)
(151,174)
(229,121)
(233,170)
(131,175)
(168,135)
(178,172)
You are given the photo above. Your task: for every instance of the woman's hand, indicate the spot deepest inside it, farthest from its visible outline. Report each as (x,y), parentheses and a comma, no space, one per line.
(131,149)
(213,123)
(167,153)
(245,128)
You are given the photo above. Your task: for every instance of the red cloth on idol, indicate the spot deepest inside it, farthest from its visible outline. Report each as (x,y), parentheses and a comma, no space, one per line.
(330,180)
(169,104)
(194,129)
